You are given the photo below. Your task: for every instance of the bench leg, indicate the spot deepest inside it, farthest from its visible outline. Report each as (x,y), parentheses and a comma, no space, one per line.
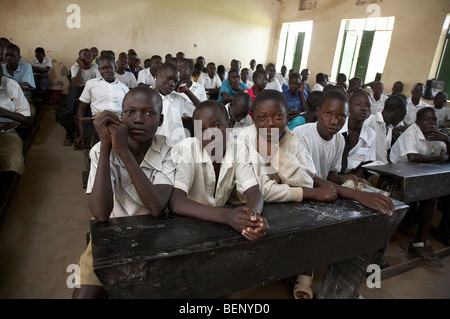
(342,279)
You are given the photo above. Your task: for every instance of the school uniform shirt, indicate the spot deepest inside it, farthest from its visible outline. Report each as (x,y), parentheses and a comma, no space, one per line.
(188,107)
(282,79)
(157,166)
(249,83)
(294,102)
(363,151)
(281,177)
(324,156)
(12,97)
(443,115)
(23,73)
(209,83)
(377,106)
(239,126)
(273,84)
(86,74)
(317,87)
(135,73)
(127,78)
(145,77)
(411,110)
(172,126)
(383,137)
(102,95)
(45,62)
(412,141)
(195,173)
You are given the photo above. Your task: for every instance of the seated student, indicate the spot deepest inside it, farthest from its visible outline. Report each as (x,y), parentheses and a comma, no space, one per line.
(355,84)
(210,81)
(234,64)
(414,103)
(321,82)
(41,65)
(282,76)
(123,76)
(105,93)
(22,72)
(167,58)
(131,171)
(167,79)
(231,86)
(272,82)
(306,73)
(202,62)
(295,96)
(323,146)
(192,92)
(309,116)
(146,64)
(134,63)
(251,69)
(238,111)
(360,140)
(3,43)
(443,112)
(94,51)
(14,109)
(209,167)
(197,71)
(180,56)
(397,87)
(383,124)
(423,142)
(341,79)
(84,69)
(147,76)
(245,79)
(260,79)
(377,97)
(221,72)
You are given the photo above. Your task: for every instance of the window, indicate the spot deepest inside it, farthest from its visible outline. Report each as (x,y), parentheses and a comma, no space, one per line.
(443,67)
(363,46)
(293,50)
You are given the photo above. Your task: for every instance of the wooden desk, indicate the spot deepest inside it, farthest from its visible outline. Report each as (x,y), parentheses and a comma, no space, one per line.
(411,182)
(178,257)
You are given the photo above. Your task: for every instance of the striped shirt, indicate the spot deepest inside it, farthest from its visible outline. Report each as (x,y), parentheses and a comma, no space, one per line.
(157,166)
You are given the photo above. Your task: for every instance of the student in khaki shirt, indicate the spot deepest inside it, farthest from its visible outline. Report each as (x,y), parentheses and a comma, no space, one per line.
(208,168)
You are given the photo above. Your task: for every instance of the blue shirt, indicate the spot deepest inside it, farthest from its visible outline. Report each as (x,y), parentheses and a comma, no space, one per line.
(296,121)
(294,102)
(225,87)
(23,73)
(135,73)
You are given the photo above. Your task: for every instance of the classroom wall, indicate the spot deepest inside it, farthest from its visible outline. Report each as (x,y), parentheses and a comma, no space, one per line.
(219,31)
(415,37)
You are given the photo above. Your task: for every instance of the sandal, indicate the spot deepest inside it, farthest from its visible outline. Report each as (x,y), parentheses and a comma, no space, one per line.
(303,287)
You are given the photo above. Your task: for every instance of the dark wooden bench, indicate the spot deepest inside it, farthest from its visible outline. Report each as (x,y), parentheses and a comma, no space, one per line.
(178,257)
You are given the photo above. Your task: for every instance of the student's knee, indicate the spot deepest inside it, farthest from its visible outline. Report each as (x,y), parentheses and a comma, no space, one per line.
(90,292)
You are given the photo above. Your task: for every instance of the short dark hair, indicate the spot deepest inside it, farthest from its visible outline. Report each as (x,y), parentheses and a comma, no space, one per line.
(258,72)
(267,95)
(222,110)
(313,99)
(295,75)
(150,93)
(320,77)
(332,95)
(395,103)
(39,50)
(421,113)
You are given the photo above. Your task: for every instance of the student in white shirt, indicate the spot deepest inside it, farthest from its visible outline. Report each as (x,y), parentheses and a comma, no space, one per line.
(360,139)
(414,103)
(210,81)
(126,77)
(101,94)
(272,82)
(41,65)
(423,142)
(245,79)
(209,169)
(377,97)
(443,112)
(192,92)
(321,82)
(282,76)
(239,110)
(148,75)
(84,69)
(383,123)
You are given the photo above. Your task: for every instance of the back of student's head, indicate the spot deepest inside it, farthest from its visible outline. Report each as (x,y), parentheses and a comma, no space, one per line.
(332,95)
(219,109)
(320,77)
(270,95)
(243,100)
(313,99)
(395,103)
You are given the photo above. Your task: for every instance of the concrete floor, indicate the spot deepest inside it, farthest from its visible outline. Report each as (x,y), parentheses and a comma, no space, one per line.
(43,233)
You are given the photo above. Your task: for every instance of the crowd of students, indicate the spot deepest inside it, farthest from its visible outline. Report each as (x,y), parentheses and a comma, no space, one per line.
(189,137)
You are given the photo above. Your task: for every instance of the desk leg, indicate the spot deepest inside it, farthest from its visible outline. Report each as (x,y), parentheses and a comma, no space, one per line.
(342,279)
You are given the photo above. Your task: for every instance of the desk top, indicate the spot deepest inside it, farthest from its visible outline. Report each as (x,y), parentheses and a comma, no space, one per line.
(408,169)
(137,238)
